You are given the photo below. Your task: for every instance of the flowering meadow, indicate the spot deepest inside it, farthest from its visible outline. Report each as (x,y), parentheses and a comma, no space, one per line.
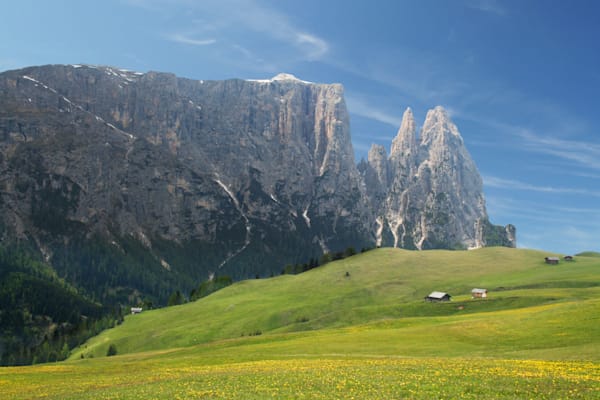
(331,378)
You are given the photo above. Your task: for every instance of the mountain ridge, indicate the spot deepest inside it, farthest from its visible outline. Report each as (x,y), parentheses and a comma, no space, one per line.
(196,178)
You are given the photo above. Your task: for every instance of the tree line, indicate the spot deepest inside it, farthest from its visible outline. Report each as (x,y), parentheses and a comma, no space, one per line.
(298,268)
(41,316)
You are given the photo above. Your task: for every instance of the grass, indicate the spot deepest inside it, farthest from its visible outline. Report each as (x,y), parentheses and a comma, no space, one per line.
(589,254)
(370,335)
(316,378)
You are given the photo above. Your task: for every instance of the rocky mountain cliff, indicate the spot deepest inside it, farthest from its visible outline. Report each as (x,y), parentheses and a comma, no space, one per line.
(189,178)
(428,193)
(147,182)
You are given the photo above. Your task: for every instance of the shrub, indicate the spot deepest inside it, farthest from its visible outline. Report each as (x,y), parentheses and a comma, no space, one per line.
(112,350)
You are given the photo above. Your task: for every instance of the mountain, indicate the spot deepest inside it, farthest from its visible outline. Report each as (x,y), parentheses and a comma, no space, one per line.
(153,181)
(428,193)
(132,184)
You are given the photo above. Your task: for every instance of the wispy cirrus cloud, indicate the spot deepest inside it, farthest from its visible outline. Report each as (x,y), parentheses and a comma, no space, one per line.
(426,80)
(360,107)
(317,47)
(240,25)
(541,225)
(273,25)
(566,137)
(183,39)
(502,183)
(582,153)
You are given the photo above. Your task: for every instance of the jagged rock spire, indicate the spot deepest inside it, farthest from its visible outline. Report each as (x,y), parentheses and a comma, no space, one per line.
(435,195)
(438,125)
(405,141)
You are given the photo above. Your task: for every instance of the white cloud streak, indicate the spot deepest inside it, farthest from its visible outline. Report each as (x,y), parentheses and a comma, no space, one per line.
(565,229)
(583,153)
(276,26)
(360,107)
(542,211)
(555,142)
(180,38)
(317,46)
(234,21)
(501,183)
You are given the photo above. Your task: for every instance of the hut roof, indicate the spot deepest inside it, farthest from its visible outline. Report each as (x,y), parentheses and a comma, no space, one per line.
(437,295)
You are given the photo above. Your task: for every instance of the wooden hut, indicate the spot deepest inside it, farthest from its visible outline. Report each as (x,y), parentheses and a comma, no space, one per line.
(438,296)
(552,260)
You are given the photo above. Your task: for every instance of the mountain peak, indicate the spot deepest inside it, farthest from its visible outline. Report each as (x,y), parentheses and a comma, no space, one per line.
(285,77)
(405,140)
(377,154)
(281,77)
(408,117)
(438,113)
(437,125)
(433,195)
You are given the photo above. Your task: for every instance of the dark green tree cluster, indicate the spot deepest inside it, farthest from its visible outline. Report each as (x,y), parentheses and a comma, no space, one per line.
(176,299)
(112,350)
(111,272)
(293,269)
(204,289)
(338,255)
(210,286)
(41,316)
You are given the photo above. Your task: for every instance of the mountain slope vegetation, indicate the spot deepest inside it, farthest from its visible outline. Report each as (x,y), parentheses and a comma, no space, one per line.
(355,328)
(42,317)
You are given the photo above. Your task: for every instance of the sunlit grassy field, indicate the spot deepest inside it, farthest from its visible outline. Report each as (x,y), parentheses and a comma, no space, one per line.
(311,378)
(357,328)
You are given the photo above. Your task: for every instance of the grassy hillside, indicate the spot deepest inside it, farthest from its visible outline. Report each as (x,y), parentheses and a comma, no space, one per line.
(589,254)
(386,286)
(356,328)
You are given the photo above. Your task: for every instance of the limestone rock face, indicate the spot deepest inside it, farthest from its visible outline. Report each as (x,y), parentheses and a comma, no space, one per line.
(378,160)
(434,198)
(256,174)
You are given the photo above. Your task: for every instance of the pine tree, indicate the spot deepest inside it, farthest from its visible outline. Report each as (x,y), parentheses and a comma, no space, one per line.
(175,299)
(112,350)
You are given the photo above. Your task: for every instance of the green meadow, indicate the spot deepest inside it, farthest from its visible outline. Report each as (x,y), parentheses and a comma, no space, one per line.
(355,328)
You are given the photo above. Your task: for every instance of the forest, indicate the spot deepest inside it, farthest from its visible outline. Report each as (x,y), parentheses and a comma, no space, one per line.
(42,317)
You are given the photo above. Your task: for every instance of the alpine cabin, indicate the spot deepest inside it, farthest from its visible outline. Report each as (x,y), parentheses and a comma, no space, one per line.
(438,296)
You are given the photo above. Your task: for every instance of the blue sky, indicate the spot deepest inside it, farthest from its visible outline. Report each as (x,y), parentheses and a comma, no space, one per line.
(521,79)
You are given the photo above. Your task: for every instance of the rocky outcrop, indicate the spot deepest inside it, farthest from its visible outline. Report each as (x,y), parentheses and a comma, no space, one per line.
(433,195)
